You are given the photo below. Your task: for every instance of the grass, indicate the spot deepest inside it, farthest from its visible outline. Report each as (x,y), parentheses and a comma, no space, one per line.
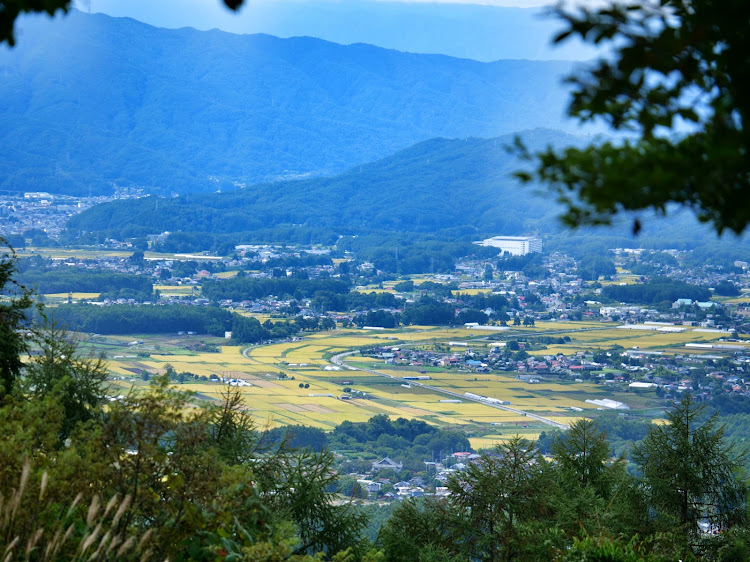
(88,253)
(474,291)
(63,254)
(78,533)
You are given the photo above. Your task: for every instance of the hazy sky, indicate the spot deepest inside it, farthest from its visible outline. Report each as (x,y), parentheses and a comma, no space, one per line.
(472,30)
(177,12)
(174,13)
(122,5)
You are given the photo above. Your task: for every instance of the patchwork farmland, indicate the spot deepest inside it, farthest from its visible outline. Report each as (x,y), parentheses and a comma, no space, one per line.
(295,382)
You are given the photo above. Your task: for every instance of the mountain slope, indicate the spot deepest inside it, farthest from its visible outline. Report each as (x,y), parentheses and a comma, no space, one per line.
(435,185)
(90,102)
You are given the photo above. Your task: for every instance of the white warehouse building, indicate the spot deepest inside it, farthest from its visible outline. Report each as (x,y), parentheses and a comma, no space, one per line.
(515,245)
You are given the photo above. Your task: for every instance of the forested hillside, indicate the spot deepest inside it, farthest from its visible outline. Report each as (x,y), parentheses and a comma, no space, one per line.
(434,185)
(88,103)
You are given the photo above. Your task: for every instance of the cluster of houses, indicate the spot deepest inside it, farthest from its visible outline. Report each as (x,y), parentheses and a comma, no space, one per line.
(485,358)
(633,370)
(41,211)
(385,489)
(561,294)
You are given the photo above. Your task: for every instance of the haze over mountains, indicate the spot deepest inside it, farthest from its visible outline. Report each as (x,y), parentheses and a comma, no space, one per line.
(90,102)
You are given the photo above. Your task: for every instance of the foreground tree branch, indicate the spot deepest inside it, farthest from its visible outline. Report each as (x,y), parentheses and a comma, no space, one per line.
(11,9)
(678,85)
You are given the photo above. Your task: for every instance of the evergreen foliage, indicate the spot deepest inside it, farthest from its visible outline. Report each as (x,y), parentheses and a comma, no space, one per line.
(14,311)
(59,369)
(690,472)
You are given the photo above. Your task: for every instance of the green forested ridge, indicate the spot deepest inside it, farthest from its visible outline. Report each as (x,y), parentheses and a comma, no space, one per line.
(434,185)
(414,211)
(251,108)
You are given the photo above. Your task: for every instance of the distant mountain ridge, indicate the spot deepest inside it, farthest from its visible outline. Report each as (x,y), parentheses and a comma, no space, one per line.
(436,185)
(90,102)
(479,32)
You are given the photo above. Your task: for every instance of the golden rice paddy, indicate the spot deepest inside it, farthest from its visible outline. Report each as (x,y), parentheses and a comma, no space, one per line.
(313,392)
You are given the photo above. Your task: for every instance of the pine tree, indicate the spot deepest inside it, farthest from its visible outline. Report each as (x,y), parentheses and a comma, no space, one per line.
(690,473)
(14,310)
(77,380)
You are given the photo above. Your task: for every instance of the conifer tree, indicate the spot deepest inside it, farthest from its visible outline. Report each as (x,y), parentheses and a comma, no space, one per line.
(14,311)
(690,473)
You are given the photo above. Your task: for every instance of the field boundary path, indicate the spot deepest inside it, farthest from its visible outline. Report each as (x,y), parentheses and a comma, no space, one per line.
(338,360)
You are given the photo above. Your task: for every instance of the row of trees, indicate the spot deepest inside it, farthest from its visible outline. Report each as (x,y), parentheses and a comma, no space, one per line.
(243,288)
(429,312)
(64,280)
(353,300)
(126,319)
(657,290)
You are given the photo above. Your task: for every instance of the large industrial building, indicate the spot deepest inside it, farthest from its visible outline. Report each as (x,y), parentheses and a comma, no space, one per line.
(514,245)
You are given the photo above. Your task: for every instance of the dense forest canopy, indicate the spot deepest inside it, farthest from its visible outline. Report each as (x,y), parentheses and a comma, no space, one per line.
(655,291)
